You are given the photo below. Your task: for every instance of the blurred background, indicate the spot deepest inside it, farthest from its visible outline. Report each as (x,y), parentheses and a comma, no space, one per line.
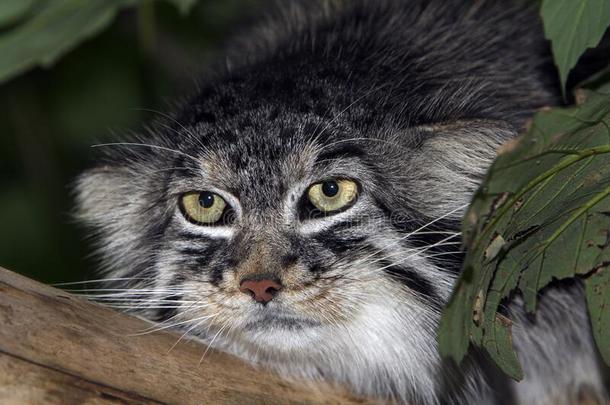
(49,118)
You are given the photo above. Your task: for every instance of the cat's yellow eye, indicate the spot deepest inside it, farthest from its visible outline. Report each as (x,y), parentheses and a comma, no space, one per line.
(203,207)
(332,195)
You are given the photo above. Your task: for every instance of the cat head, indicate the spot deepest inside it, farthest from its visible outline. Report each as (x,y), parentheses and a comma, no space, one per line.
(303,210)
(277,230)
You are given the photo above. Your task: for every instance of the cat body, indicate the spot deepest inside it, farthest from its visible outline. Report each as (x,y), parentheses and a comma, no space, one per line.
(220,213)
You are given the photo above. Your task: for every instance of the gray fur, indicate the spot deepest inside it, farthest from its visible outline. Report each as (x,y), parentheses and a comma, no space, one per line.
(413,97)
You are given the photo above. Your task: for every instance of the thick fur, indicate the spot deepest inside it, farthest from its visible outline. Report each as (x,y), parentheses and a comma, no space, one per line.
(408,98)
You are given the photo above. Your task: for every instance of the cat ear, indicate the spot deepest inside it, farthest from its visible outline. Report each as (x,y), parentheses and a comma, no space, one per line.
(451,161)
(102,194)
(109,202)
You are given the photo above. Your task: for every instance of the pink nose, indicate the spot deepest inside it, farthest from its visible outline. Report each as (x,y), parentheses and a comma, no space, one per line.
(262,291)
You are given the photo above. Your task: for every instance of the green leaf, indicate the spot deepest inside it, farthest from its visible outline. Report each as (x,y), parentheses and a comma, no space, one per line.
(454,330)
(543,213)
(572,26)
(498,341)
(12,11)
(56,27)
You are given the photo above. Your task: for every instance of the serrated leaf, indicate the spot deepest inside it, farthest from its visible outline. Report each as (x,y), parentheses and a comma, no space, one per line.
(548,195)
(572,26)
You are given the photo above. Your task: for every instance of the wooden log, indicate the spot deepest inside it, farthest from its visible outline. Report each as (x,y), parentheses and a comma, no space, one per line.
(56,348)
(24,382)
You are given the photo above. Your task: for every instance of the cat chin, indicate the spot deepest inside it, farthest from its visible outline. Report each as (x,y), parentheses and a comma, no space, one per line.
(282,340)
(330,354)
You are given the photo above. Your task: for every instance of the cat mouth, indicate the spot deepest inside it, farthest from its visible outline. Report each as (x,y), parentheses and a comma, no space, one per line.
(279,321)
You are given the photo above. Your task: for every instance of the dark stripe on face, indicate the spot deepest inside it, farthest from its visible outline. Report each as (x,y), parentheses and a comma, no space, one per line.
(216,272)
(288,260)
(332,239)
(226,260)
(449,255)
(184,167)
(202,255)
(317,269)
(344,225)
(432,234)
(340,245)
(163,314)
(399,221)
(342,150)
(190,251)
(449,262)
(410,278)
(188,235)
(207,259)
(205,256)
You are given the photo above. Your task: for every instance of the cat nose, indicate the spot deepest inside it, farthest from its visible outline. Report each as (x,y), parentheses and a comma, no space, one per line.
(261,291)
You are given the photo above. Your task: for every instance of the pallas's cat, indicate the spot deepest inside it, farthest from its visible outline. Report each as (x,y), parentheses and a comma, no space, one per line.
(301,210)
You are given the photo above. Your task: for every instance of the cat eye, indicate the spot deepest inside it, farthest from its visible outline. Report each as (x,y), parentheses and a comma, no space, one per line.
(332,195)
(203,207)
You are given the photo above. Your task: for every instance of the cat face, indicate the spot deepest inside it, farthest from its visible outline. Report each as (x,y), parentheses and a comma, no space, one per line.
(275,266)
(274,233)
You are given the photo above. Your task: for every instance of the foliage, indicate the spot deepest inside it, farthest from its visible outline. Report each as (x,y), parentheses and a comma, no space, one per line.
(543,214)
(543,211)
(573,26)
(41,31)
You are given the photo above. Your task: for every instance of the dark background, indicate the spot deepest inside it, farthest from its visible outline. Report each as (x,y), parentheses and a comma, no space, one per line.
(49,119)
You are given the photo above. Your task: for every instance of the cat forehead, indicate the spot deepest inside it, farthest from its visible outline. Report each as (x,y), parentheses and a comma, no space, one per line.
(265,137)
(254,161)
(258,162)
